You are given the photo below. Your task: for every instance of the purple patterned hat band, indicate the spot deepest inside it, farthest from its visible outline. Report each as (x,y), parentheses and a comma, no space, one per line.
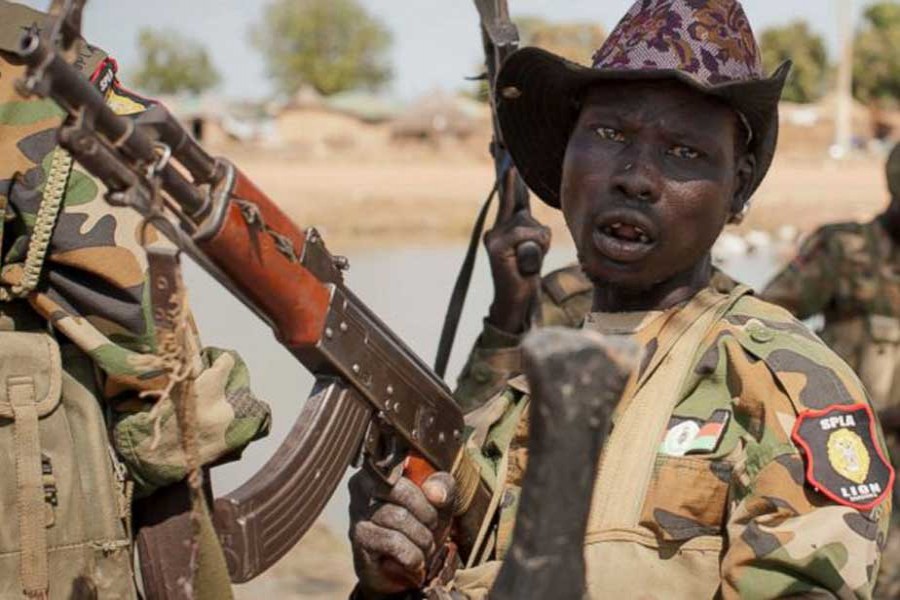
(709,41)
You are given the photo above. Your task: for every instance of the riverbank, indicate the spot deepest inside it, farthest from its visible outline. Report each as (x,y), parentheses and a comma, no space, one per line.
(426,200)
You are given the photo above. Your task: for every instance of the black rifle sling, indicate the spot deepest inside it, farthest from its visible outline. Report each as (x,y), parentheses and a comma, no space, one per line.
(461,289)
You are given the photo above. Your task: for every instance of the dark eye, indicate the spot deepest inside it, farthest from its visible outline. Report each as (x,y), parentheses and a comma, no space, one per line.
(611,134)
(679,151)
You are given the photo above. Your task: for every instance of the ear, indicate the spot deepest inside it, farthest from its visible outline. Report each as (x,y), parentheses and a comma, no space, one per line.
(744,175)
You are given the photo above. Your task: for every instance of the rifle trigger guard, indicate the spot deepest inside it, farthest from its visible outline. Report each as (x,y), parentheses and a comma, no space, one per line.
(383,455)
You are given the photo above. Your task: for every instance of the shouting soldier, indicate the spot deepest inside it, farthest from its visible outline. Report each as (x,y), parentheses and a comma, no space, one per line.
(745,460)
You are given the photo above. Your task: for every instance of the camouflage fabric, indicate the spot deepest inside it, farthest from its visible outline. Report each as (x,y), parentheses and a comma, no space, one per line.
(94,294)
(849,273)
(565,298)
(741,502)
(843,271)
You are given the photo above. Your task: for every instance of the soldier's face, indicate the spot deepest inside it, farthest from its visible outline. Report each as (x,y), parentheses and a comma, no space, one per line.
(650,177)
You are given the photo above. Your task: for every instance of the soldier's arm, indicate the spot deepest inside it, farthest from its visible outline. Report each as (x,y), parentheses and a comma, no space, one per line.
(807,284)
(785,540)
(785,537)
(565,298)
(493,360)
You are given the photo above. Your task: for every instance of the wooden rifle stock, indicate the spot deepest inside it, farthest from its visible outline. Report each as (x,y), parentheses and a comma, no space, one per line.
(375,401)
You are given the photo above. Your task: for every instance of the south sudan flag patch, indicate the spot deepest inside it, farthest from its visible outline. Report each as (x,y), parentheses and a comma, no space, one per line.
(843,458)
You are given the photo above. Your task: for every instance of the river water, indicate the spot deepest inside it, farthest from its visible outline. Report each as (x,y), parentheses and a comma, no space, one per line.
(408,288)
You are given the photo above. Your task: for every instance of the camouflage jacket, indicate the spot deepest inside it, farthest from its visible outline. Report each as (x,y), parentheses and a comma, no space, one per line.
(732,507)
(93,287)
(565,298)
(844,271)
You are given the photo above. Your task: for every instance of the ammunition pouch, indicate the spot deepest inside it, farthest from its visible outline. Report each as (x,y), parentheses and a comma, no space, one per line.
(64,496)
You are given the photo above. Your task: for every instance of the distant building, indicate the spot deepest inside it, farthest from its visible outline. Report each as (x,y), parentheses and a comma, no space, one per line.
(440,114)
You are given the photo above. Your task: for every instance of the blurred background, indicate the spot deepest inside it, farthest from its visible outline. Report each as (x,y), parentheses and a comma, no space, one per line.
(358,118)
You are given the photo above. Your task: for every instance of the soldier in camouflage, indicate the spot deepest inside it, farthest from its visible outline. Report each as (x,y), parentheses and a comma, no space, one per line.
(850,274)
(744,461)
(86,284)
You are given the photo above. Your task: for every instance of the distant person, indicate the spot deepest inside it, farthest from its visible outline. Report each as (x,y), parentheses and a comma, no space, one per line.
(850,274)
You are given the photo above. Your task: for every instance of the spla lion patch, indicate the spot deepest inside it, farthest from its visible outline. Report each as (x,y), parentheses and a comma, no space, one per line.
(843,458)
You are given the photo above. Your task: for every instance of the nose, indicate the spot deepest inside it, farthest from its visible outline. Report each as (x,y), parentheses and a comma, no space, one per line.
(637,177)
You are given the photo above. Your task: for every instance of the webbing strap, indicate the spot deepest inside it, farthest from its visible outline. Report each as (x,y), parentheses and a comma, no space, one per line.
(48,211)
(626,464)
(461,289)
(34,570)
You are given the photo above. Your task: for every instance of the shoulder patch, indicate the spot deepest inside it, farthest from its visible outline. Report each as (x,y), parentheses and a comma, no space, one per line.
(843,458)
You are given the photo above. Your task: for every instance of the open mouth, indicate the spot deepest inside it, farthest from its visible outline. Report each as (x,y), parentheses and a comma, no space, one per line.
(624,238)
(626,232)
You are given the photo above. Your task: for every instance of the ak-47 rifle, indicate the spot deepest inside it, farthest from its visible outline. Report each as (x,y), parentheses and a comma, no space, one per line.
(500,38)
(374,401)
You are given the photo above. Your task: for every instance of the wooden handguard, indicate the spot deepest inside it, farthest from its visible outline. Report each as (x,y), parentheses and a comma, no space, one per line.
(260,248)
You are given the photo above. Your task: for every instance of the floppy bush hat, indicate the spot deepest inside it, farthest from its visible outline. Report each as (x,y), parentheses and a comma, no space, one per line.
(705,44)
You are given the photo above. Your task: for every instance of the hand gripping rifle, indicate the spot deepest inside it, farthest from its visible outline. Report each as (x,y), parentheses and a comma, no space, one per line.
(374,402)
(500,38)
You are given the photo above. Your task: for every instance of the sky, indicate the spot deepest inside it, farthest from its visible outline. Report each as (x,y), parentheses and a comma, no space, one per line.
(436,42)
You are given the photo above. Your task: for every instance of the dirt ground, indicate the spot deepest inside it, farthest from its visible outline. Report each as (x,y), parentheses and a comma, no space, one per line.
(423,200)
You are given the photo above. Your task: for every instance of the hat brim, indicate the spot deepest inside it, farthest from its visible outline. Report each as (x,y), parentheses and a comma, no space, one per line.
(537,94)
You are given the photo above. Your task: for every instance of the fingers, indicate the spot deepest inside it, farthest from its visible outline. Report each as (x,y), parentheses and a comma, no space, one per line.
(440,490)
(397,518)
(502,240)
(412,498)
(362,486)
(393,528)
(388,543)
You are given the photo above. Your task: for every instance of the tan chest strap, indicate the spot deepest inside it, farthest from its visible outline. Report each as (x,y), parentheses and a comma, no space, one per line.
(32,380)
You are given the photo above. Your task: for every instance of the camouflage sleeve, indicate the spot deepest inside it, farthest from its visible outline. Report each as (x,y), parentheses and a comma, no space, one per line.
(228,418)
(494,359)
(565,299)
(786,537)
(807,284)
(93,289)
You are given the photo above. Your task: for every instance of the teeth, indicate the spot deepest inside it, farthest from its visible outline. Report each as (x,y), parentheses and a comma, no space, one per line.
(616,226)
(644,239)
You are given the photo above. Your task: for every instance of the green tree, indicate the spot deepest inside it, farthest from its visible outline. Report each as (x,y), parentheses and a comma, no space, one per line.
(876,56)
(808,79)
(172,63)
(331,45)
(576,41)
